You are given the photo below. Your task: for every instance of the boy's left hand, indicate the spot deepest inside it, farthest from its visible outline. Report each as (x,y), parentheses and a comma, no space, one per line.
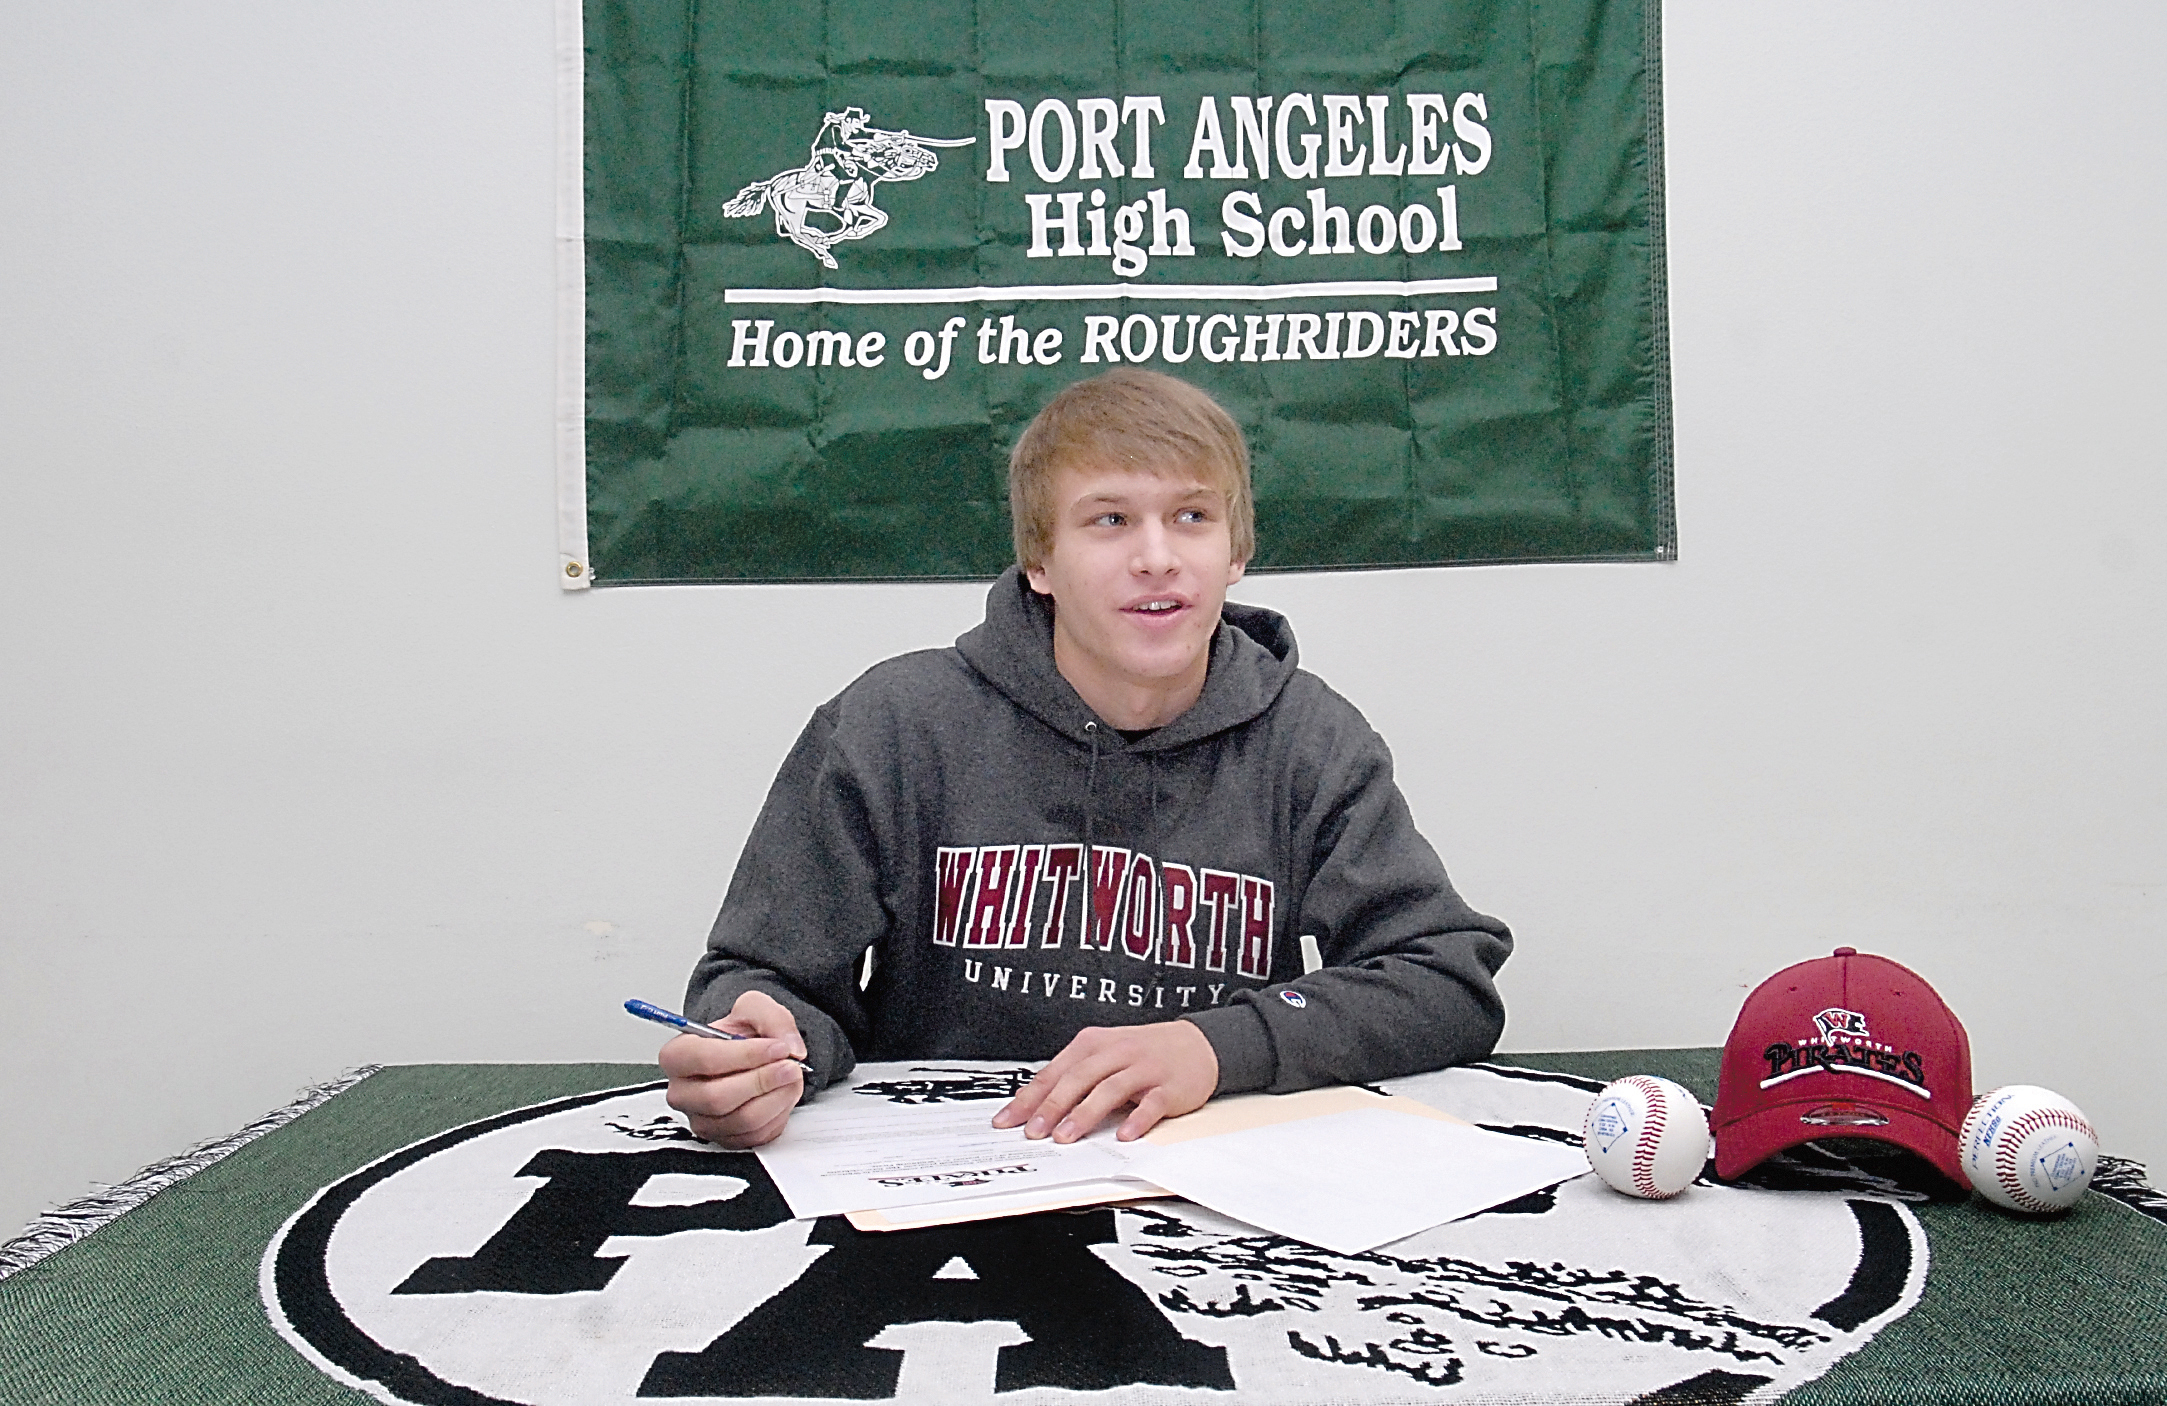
(1164,1069)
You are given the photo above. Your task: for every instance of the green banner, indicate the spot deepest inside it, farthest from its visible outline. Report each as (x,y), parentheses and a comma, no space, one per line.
(838,254)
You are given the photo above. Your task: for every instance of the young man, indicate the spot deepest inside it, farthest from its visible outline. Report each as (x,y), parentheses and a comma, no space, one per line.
(1093,831)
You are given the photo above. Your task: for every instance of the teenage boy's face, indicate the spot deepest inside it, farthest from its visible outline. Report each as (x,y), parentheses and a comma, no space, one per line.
(1138,570)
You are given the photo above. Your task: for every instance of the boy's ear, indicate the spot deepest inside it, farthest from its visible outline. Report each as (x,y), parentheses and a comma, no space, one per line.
(1234,571)
(1036,575)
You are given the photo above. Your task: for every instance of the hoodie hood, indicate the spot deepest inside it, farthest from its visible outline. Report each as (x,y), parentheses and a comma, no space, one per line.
(1252,658)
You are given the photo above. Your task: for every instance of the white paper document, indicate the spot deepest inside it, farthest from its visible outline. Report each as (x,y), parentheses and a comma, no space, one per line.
(1096,1192)
(1351,1181)
(841,1155)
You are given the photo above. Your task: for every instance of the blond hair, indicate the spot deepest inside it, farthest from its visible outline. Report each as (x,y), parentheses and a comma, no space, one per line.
(1128,419)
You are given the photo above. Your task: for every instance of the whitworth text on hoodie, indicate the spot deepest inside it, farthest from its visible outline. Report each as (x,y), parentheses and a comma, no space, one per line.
(1007,901)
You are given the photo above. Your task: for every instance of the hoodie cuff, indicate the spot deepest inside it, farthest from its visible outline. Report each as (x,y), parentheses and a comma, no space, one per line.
(1243,1047)
(826,1049)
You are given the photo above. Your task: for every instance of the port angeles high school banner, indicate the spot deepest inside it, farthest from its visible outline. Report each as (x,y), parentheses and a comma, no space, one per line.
(824,261)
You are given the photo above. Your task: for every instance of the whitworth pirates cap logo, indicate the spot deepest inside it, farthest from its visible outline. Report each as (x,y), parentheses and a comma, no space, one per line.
(830,198)
(588,1250)
(1837,1022)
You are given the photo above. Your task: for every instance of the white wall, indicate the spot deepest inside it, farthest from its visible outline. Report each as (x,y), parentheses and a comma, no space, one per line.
(306,761)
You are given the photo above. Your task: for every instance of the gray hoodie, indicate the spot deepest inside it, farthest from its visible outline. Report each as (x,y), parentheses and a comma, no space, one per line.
(1020,871)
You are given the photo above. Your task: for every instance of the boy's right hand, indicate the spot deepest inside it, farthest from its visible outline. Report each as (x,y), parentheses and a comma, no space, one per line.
(739,1093)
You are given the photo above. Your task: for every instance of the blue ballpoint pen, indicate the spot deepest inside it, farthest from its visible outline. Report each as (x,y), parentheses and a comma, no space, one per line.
(647,1010)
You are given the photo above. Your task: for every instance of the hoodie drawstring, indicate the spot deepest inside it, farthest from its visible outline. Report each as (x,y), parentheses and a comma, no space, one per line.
(1158,874)
(1091,785)
(1090,895)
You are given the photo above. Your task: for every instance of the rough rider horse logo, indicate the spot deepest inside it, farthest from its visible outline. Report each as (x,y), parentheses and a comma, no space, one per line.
(849,158)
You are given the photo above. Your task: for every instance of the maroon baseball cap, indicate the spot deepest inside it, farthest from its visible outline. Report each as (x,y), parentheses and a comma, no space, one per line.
(1851,1045)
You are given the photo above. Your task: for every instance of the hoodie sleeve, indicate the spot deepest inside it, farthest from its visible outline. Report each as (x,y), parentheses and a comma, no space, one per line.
(803,905)
(1407,982)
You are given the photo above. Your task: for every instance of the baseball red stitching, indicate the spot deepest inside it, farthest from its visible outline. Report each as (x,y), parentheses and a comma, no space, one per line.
(1644,1147)
(2011,1141)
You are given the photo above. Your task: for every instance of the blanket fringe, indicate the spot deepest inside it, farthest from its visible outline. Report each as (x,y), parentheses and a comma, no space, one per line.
(64,1225)
(2124,1180)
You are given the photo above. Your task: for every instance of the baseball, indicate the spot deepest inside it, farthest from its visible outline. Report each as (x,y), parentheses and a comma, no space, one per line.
(2028,1149)
(1646,1137)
